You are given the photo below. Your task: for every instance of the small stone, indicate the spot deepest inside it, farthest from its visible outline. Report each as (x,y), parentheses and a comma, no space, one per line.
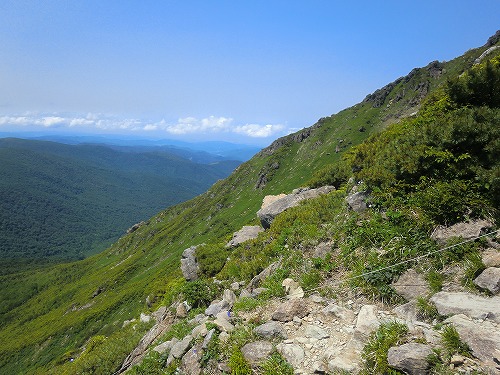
(145,318)
(457,360)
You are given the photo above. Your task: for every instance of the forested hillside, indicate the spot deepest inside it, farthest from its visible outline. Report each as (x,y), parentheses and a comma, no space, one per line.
(422,152)
(67,202)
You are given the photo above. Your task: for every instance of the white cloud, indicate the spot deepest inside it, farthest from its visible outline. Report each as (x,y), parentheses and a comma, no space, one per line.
(258,131)
(190,125)
(183,126)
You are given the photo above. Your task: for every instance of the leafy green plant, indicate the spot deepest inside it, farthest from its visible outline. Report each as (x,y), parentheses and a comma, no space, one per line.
(211,258)
(452,343)
(276,365)
(434,280)
(238,364)
(426,310)
(473,266)
(200,293)
(375,350)
(246,304)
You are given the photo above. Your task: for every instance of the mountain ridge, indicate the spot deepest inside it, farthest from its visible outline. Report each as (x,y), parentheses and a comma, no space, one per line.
(141,272)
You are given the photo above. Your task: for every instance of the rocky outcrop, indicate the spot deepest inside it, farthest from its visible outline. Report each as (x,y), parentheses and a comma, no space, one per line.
(465,231)
(471,305)
(482,337)
(256,352)
(489,279)
(410,358)
(411,285)
(268,212)
(288,310)
(270,330)
(246,233)
(189,265)
(357,200)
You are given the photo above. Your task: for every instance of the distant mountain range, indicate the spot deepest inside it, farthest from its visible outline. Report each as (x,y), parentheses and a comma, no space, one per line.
(64,201)
(200,152)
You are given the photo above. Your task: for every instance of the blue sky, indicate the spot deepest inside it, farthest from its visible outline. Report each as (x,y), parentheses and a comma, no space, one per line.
(243,71)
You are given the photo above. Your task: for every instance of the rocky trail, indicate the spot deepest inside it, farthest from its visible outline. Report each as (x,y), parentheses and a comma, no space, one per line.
(320,335)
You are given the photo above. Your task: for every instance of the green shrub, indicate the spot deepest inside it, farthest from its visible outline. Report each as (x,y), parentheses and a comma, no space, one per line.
(426,310)
(375,350)
(473,266)
(276,365)
(211,258)
(434,280)
(238,364)
(200,293)
(310,280)
(452,343)
(246,304)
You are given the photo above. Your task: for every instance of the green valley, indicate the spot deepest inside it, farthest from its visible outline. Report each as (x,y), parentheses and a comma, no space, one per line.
(65,202)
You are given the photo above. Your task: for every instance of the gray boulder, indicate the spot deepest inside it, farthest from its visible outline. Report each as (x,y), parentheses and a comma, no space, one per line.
(315,332)
(293,353)
(489,279)
(288,310)
(482,337)
(189,265)
(341,313)
(244,234)
(268,212)
(411,285)
(257,351)
(357,201)
(181,347)
(191,361)
(410,358)
(471,305)
(270,330)
(466,231)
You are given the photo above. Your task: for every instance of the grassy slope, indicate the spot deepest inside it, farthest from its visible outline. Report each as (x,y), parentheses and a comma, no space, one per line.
(51,312)
(66,202)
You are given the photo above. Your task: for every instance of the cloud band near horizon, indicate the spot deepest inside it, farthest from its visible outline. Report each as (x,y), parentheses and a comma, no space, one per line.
(183,126)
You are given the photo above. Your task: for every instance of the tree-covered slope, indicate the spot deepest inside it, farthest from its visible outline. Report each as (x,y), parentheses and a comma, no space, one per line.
(77,310)
(66,202)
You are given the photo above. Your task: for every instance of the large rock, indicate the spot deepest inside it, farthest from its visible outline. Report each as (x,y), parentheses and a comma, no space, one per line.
(367,321)
(268,271)
(246,233)
(189,265)
(483,339)
(411,285)
(357,201)
(288,310)
(471,305)
(491,257)
(343,314)
(292,289)
(489,279)
(166,346)
(268,212)
(270,330)
(181,347)
(216,307)
(293,353)
(410,358)
(315,332)
(466,231)
(191,361)
(348,358)
(257,351)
